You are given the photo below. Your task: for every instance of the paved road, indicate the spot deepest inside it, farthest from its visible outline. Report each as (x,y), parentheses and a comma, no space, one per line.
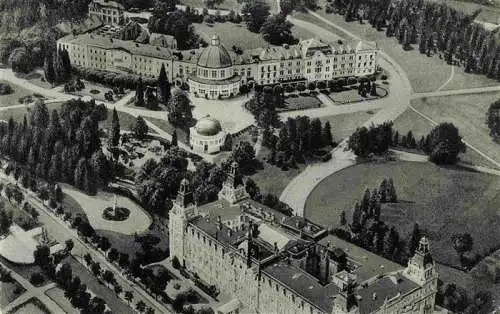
(31,292)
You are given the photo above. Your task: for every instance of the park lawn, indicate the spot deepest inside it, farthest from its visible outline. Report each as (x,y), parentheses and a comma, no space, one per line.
(226,5)
(443,200)
(56,294)
(31,306)
(301,102)
(127,121)
(182,135)
(36,77)
(231,34)
(112,300)
(272,179)
(425,73)
(25,271)
(13,98)
(69,204)
(467,113)
(9,292)
(412,121)
(343,125)
(127,244)
(18,113)
(351,95)
(489,13)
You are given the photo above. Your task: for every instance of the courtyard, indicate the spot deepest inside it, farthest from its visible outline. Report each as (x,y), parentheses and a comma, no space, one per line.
(443,200)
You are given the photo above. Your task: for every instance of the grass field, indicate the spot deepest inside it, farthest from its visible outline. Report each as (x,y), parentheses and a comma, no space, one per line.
(489,13)
(32,306)
(302,102)
(13,98)
(352,96)
(226,5)
(442,200)
(343,125)
(56,294)
(273,180)
(467,113)
(231,34)
(182,136)
(425,73)
(411,121)
(10,292)
(18,113)
(126,121)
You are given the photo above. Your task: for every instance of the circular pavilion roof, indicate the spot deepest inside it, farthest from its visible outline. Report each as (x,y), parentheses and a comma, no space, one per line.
(208,126)
(215,56)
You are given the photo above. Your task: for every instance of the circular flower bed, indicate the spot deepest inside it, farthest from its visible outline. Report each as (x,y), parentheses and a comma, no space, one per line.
(122,214)
(95,91)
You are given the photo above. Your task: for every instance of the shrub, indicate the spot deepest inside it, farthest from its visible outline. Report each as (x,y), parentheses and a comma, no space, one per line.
(94,91)
(175,263)
(36,279)
(5,89)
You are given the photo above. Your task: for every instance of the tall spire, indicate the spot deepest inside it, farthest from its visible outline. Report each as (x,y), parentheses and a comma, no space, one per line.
(184,196)
(231,190)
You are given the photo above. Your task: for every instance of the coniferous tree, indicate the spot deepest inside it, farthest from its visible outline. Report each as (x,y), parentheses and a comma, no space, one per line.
(365,202)
(115,129)
(139,93)
(327,133)
(391,192)
(174,138)
(164,86)
(48,66)
(383,190)
(414,240)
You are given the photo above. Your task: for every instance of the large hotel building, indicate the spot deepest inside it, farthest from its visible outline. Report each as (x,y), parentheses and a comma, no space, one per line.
(215,72)
(262,261)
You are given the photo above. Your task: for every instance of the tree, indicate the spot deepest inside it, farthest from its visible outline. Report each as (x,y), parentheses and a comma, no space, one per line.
(164,86)
(462,243)
(88,258)
(42,255)
(113,254)
(244,155)
(20,60)
(96,269)
(36,279)
(255,14)
(316,135)
(48,67)
(118,289)
(179,108)
(343,220)
(414,240)
(139,93)
(39,116)
(175,263)
(383,190)
(64,275)
(140,306)
(104,244)
(108,276)
(5,220)
(327,133)
(123,260)
(213,3)
(445,144)
(276,30)
(392,197)
(129,296)
(493,119)
(174,138)
(140,128)
(69,245)
(115,129)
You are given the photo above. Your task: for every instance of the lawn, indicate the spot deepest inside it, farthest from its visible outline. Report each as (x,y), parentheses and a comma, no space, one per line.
(36,78)
(9,292)
(467,113)
(127,244)
(18,113)
(351,95)
(13,98)
(24,271)
(182,135)
(127,121)
(69,204)
(115,304)
(56,294)
(488,13)
(442,200)
(273,180)
(32,306)
(425,73)
(231,34)
(411,121)
(299,102)
(226,5)
(343,125)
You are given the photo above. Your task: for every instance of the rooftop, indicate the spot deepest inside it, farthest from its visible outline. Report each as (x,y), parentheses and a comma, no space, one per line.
(111,43)
(304,284)
(369,264)
(371,297)
(109,4)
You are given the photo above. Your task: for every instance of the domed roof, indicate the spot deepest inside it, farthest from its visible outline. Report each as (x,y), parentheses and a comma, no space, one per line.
(215,56)
(208,126)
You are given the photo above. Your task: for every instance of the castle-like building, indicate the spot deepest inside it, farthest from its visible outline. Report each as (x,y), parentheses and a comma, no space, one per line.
(213,71)
(266,262)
